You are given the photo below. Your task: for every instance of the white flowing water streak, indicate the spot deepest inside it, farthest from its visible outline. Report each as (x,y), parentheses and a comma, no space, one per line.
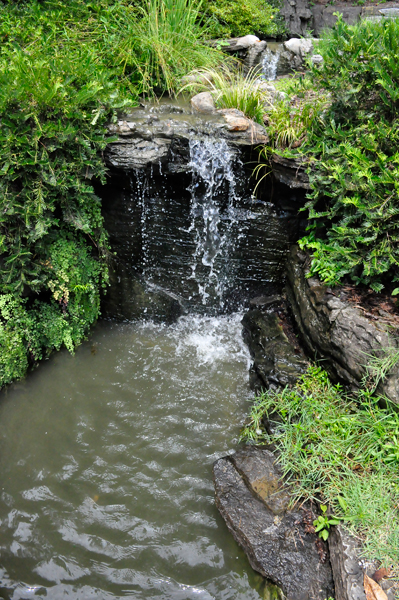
(212,164)
(270,63)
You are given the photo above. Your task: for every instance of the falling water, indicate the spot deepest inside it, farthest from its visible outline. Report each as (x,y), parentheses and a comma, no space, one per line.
(106,456)
(201,238)
(211,163)
(270,64)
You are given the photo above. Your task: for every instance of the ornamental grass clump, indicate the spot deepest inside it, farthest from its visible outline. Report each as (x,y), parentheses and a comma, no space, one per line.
(337,450)
(166,42)
(230,88)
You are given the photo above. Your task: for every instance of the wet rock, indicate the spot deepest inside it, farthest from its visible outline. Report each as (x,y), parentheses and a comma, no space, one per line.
(158,134)
(346,567)
(129,299)
(334,330)
(253,56)
(290,171)
(203,103)
(277,546)
(277,362)
(262,475)
(235,119)
(137,153)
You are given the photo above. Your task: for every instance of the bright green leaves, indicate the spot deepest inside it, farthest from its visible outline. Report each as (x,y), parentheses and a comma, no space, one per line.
(241,17)
(59,85)
(30,330)
(323,523)
(354,202)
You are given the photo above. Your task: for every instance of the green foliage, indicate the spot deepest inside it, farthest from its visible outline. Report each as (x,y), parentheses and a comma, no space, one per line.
(323,523)
(338,450)
(236,18)
(56,94)
(66,69)
(354,174)
(290,121)
(31,329)
(167,42)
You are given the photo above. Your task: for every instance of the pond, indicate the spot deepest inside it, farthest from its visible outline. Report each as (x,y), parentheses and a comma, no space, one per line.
(106,466)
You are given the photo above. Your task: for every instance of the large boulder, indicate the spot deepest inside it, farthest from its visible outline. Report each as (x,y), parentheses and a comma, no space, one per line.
(277,540)
(335,331)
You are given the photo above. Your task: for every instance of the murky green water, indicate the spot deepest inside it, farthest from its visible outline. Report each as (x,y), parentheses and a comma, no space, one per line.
(105,467)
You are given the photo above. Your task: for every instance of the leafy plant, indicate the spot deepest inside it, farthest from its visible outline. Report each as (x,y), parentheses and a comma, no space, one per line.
(354,163)
(242,17)
(323,523)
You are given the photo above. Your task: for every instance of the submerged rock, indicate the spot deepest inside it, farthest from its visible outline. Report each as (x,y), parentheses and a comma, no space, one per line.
(335,330)
(253,502)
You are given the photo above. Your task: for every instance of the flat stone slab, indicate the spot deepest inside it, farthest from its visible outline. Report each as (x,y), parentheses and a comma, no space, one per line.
(262,475)
(155,134)
(280,547)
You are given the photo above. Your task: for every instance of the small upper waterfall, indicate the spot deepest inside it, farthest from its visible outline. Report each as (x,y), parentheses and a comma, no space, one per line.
(270,64)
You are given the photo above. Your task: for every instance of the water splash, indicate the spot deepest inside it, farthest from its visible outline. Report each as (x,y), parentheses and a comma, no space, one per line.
(270,64)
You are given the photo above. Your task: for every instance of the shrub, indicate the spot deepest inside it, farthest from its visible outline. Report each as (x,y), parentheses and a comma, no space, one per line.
(354,174)
(56,95)
(236,18)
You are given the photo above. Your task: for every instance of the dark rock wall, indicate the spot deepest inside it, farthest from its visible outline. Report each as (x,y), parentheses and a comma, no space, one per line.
(303,17)
(148,214)
(334,330)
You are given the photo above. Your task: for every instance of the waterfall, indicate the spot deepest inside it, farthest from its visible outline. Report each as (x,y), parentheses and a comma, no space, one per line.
(270,63)
(211,165)
(193,235)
